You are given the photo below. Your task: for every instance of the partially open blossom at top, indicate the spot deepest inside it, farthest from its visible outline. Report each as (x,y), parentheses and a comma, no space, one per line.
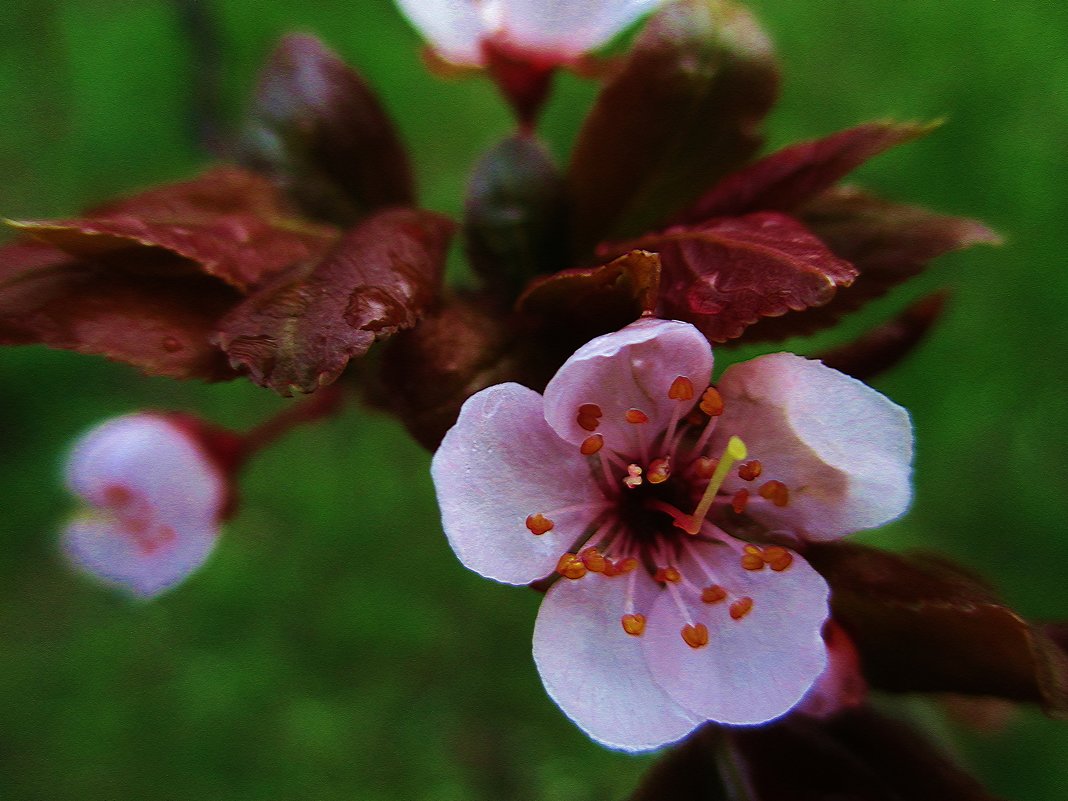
(154,498)
(550,31)
(667,507)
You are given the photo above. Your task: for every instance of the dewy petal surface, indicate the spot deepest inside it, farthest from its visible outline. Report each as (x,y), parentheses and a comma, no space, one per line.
(569,27)
(843,450)
(633,368)
(596,672)
(453,27)
(500,463)
(753,669)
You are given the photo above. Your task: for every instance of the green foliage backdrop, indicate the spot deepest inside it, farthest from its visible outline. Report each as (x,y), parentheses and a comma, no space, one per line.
(333,648)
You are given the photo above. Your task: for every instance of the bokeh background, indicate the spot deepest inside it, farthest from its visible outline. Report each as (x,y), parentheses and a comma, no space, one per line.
(333,648)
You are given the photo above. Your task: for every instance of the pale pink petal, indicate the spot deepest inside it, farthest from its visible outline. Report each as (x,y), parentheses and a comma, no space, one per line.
(843,450)
(454,27)
(156,500)
(499,464)
(98,544)
(568,28)
(596,672)
(153,459)
(630,369)
(841,685)
(753,669)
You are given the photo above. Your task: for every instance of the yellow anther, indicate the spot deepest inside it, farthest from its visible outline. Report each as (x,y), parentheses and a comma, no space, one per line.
(570,566)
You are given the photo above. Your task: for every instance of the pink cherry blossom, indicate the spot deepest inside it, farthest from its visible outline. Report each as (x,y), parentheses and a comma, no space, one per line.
(551,30)
(154,499)
(679,599)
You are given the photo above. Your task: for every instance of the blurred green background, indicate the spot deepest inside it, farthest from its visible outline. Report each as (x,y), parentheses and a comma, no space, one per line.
(333,648)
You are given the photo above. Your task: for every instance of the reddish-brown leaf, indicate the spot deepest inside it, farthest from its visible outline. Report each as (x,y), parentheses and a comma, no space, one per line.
(683,111)
(726,274)
(923,624)
(887,242)
(885,345)
(298,331)
(230,223)
(858,755)
(602,299)
(143,307)
(796,174)
(319,130)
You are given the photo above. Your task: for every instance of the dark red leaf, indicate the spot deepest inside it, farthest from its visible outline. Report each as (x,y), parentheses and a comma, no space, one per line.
(795,174)
(689,771)
(858,755)
(597,299)
(887,242)
(728,273)
(318,129)
(922,624)
(885,345)
(231,224)
(299,331)
(143,307)
(683,111)
(515,215)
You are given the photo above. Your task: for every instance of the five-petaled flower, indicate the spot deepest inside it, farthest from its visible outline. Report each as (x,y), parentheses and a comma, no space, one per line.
(550,31)
(668,508)
(154,500)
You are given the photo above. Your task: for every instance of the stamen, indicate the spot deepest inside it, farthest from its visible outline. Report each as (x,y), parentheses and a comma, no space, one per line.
(741,608)
(739,501)
(634,476)
(778,558)
(681,389)
(634,624)
(695,635)
(776,492)
(659,470)
(591,444)
(752,558)
(734,451)
(705,467)
(713,594)
(667,575)
(750,470)
(621,566)
(589,416)
(712,402)
(570,566)
(637,417)
(592,560)
(539,524)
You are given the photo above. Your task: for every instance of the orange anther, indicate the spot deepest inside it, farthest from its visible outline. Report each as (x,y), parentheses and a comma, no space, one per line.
(681,389)
(753,549)
(667,574)
(713,594)
(695,418)
(750,470)
(634,625)
(626,565)
(591,444)
(593,560)
(752,561)
(570,566)
(712,402)
(741,608)
(776,492)
(636,416)
(696,636)
(589,416)
(539,524)
(659,470)
(739,501)
(778,558)
(705,467)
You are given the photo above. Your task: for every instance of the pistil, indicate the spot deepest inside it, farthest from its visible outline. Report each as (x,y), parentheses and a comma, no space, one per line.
(734,452)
